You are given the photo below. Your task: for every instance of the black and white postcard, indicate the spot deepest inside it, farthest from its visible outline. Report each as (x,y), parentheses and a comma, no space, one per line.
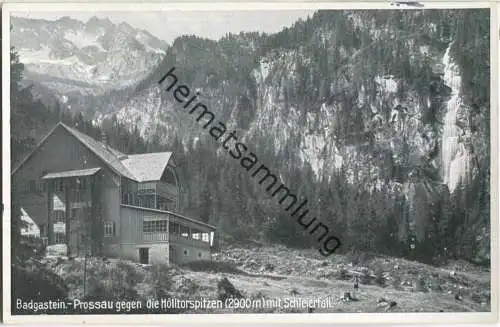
(223,162)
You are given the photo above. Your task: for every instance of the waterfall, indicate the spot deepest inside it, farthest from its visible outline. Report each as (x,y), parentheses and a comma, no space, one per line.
(454,157)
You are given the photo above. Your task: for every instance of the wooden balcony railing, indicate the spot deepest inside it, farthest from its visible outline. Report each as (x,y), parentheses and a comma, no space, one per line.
(155,237)
(174,238)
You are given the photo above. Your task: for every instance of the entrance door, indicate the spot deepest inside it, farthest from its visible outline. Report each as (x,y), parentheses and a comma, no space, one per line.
(144,256)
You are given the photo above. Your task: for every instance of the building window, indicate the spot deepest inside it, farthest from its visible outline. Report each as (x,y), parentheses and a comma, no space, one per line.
(32,186)
(174,228)
(43,184)
(125,198)
(42,229)
(74,213)
(205,237)
(164,203)
(195,234)
(58,216)
(155,226)
(60,185)
(81,183)
(147,201)
(109,229)
(184,231)
(59,238)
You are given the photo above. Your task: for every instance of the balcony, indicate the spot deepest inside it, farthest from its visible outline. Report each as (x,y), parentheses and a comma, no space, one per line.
(147,225)
(155,237)
(152,195)
(167,190)
(173,238)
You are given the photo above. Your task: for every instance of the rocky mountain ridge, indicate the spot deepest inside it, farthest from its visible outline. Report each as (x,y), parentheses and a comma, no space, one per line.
(378,96)
(391,112)
(73,59)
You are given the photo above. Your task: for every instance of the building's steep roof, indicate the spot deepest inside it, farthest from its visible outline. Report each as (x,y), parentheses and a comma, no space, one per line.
(103,151)
(138,167)
(148,166)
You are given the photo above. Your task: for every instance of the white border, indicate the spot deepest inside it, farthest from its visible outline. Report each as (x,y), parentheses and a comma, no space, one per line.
(228,6)
(366,318)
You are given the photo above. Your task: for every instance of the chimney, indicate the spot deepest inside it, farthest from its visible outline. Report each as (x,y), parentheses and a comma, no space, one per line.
(104,139)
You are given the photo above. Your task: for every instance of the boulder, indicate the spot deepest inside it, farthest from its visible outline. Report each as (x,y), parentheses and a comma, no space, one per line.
(269,267)
(346,297)
(226,290)
(391,305)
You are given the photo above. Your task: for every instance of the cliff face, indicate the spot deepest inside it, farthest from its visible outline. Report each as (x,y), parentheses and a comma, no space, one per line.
(375,94)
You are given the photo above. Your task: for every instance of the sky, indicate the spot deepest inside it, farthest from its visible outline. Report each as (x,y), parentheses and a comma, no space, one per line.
(172,24)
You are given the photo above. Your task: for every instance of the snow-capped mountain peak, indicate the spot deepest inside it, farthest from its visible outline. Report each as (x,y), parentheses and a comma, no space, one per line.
(69,56)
